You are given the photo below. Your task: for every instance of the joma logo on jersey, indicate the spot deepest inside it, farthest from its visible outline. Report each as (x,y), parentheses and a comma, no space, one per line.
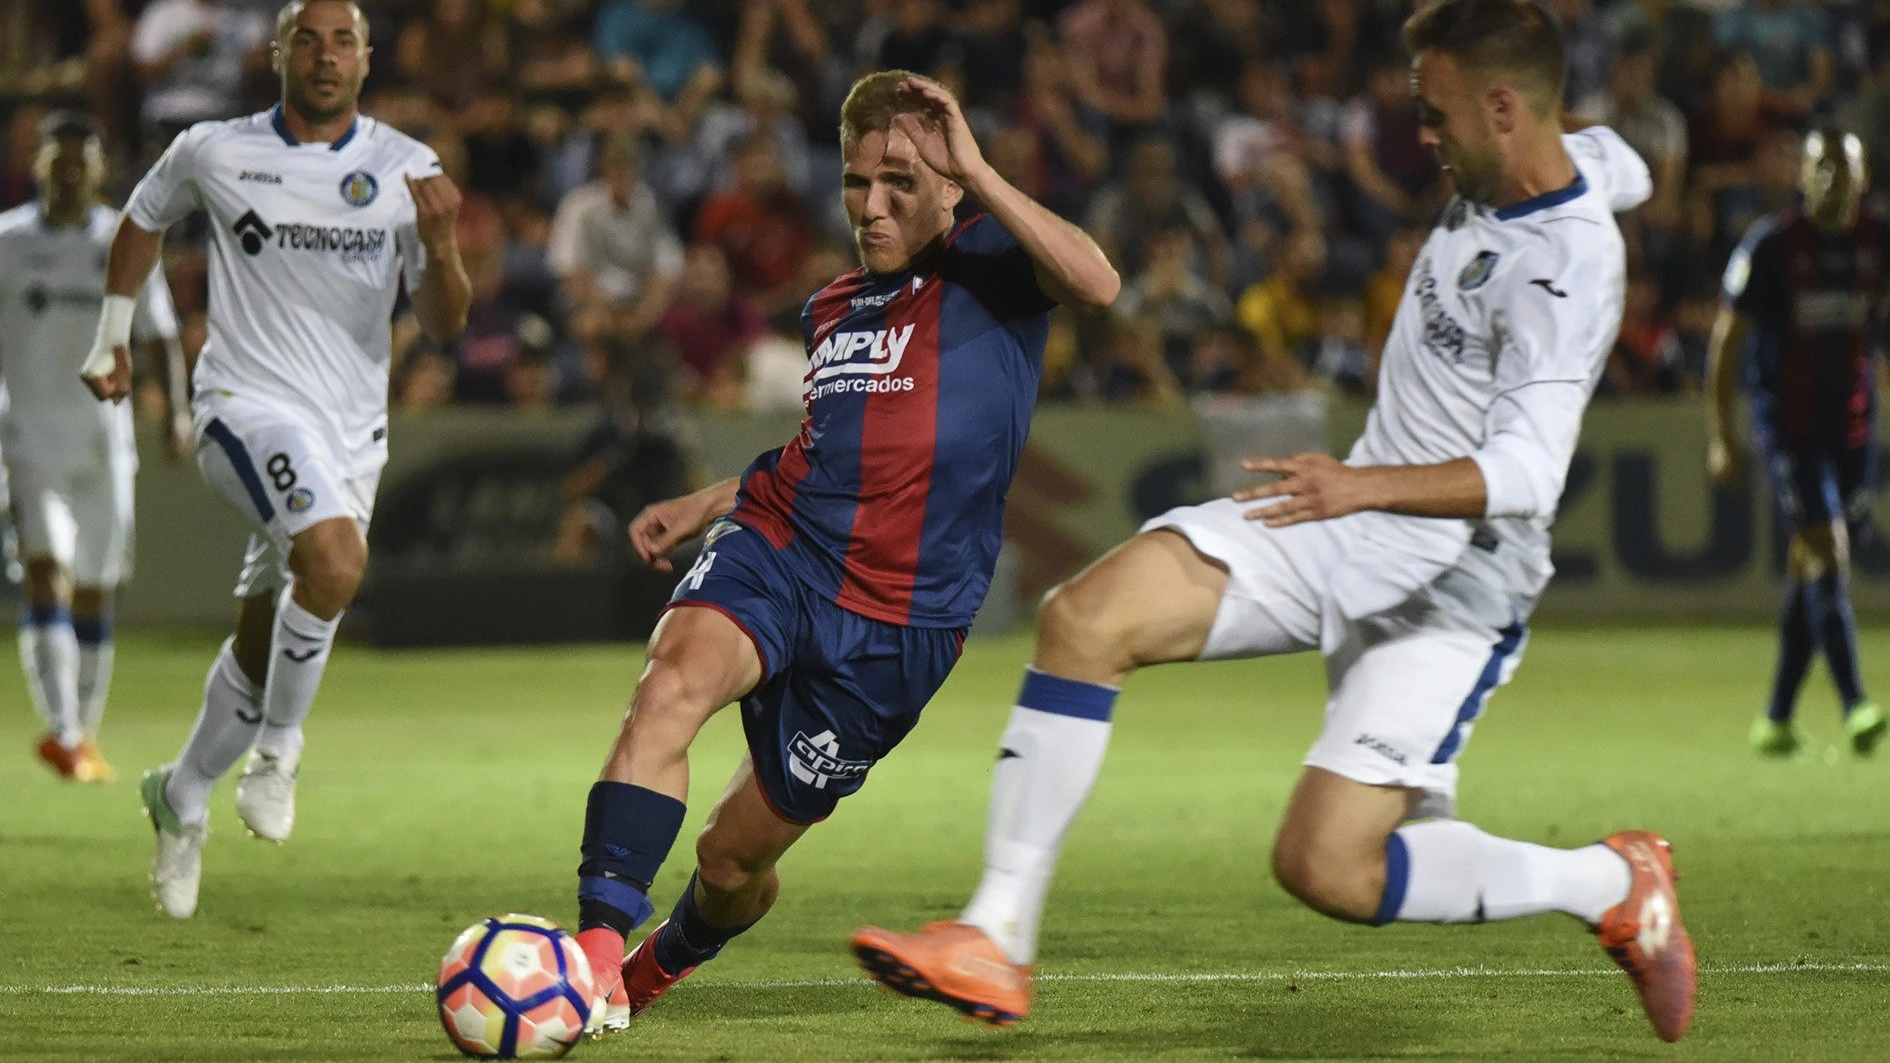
(877,352)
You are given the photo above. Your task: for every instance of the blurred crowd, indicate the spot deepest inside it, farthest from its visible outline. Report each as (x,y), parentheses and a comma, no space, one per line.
(656,181)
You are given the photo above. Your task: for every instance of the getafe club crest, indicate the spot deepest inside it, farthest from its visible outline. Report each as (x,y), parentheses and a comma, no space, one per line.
(359,188)
(1477,273)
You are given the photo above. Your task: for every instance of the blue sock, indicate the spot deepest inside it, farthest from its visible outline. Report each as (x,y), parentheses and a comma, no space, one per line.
(1837,636)
(628,831)
(1397,880)
(1795,647)
(688,940)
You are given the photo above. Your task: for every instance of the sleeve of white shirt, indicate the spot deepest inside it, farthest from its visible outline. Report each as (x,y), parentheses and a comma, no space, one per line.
(1554,344)
(155,317)
(1612,168)
(169,190)
(567,229)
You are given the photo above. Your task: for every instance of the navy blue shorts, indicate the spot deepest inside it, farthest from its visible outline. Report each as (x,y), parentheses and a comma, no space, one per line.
(838,691)
(1816,485)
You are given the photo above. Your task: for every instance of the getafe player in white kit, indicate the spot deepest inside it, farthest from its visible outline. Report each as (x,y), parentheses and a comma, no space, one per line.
(316,216)
(1412,567)
(70,461)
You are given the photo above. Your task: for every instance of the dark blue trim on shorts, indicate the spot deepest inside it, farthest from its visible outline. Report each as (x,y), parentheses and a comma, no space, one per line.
(238,454)
(1397,880)
(45,616)
(92,630)
(1044,692)
(1472,706)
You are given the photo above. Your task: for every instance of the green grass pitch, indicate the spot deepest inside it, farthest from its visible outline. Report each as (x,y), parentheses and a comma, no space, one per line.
(441,787)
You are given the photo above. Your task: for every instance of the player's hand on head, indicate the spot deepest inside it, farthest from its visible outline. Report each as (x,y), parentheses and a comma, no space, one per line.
(1310,486)
(115,385)
(435,206)
(937,128)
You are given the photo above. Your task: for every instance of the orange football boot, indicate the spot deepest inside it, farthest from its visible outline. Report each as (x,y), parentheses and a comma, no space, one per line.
(1645,936)
(953,963)
(644,979)
(58,757)
(92,765)
(603,948)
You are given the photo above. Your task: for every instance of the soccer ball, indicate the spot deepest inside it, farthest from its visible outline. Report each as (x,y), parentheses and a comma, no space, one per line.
(515,987)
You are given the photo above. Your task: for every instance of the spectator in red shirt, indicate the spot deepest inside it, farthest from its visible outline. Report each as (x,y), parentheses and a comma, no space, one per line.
(761,226)
(710,327)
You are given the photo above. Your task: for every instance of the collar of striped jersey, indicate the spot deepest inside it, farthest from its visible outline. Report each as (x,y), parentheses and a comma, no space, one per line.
(1545,200)
(282,130)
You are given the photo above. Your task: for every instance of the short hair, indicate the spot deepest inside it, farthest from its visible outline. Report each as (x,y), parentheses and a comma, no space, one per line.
(287,14)
(870,105)
(1513,39)
(70,124)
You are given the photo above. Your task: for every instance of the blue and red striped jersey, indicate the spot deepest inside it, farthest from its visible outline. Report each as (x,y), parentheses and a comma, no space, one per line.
(1815,300)
(919,391)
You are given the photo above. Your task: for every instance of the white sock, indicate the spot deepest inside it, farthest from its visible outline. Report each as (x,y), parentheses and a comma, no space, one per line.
(226,726)
(49,655)
(297,656)
(1049,762)
(1457,874)
(95,673)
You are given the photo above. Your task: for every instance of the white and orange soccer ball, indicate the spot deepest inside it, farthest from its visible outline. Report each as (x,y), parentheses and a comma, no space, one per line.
(515,987)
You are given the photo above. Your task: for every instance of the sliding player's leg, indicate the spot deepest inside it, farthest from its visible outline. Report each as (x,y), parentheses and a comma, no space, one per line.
(1200,582)
(699,660)
(734,885)
(1854,475)
(1405,695)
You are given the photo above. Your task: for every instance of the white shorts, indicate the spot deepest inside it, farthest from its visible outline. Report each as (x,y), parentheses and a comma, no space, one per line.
(76,509)
(283,476)
(1406,685)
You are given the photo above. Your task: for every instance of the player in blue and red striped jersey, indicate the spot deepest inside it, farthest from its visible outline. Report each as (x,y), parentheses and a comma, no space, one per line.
(1804,315)
(839,573)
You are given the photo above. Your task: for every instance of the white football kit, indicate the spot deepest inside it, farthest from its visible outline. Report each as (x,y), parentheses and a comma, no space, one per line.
(1506,324)
(308,246)
(71,459)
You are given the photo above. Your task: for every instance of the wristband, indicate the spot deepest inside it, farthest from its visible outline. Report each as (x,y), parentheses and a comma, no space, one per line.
(114,331)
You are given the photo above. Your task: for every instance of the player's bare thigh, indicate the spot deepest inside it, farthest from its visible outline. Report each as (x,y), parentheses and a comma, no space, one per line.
(699,661)
(1151,600)
(328,559)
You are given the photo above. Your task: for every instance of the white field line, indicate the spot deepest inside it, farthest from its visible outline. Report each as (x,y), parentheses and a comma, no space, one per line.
(1810,967)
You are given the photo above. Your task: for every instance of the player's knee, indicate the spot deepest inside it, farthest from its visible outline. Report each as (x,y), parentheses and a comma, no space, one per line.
(43,581)
(330,572)
(1327,878)
(1816,550)
(1079,614)
(721,868)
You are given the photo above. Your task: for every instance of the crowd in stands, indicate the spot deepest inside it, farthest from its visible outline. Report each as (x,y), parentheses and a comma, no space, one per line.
(658,179)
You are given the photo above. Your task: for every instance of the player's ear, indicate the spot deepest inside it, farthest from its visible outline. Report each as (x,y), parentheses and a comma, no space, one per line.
(1500,104)
(275,57)
(951,194)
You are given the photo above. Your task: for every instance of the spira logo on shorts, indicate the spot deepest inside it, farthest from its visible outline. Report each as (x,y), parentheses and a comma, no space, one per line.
(816,761)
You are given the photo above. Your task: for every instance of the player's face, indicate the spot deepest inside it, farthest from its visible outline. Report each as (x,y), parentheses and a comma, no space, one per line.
(896,204)
(323,60)
(1833,179)
(70,169)
(1452,121)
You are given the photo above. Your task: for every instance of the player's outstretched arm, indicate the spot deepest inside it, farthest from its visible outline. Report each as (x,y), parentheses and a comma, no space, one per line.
(134,252)
(445,293)
(1070,267)
(666,525)
(1725,455)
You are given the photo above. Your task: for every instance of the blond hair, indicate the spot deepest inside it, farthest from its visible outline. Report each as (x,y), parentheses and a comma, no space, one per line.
(870,106)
